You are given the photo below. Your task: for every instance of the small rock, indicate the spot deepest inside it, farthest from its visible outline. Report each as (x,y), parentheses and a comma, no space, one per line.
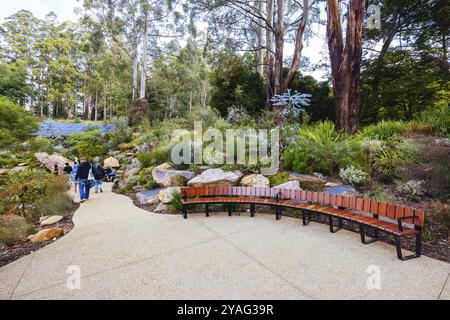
(289,185)
(255,180)
(4,171)
(47,234)
(51,220)
(130,173)
(19,168)
(166,195)
(162,208)
(164,166)
(144,147)
(3,247)
(331,184)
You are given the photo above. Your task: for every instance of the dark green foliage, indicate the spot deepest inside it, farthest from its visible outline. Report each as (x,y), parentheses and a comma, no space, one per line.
(16,124)
(322,101)
(13,82)
(235,82)
(279,178)
(176,204)
(321,148)
(89,144)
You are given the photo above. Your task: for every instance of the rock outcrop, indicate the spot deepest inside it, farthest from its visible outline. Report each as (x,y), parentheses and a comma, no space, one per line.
(216,177)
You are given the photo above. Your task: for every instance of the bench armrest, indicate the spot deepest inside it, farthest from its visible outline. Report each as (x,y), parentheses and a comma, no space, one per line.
(399,221)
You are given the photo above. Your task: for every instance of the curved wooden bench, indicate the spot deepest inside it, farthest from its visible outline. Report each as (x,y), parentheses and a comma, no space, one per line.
(398,221)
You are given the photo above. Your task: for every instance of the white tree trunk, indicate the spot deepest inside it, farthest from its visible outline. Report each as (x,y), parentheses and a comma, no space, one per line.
(144,57)
(260,66)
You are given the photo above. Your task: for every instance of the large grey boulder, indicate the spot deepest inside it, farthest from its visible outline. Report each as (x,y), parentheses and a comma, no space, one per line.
(168,178)
(295,185)
(146,197)
(49,160)
(255,180)
(166,195)
(344,190)
(216,177)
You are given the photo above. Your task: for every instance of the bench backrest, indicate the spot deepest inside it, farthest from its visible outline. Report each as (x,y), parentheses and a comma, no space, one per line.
(375,208)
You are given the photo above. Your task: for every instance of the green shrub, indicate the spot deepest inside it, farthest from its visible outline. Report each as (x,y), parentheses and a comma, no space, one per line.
(14,229)
(353,176)
(122,133)
(145,179)
(16,124)
(391,161)
(434,121)
(89,144)
(279,178)
(321,148)
(412,189)
(33,193)
(376,194)
(313,185)
(176,204)
(385,130)
(155,157)
(41,144)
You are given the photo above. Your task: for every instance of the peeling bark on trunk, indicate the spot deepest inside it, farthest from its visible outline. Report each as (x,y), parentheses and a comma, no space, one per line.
(260,66)
(279,47)
(270,57)
(346,62)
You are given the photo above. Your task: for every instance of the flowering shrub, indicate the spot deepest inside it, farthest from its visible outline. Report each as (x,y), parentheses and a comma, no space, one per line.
(353,176)
(413,188)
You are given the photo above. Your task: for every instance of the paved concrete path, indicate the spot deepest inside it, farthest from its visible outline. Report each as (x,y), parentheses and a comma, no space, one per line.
(127,253)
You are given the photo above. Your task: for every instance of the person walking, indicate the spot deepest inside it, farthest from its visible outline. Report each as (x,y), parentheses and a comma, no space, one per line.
(84,178)
(74,171)
(99,175)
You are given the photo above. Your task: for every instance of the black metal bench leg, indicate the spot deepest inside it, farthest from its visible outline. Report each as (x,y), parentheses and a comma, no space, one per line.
(332,229)
(304,218)
(362,231)
(230,210)
(252,210)
(185,212)
(418,249)
(278,213)
(206,210)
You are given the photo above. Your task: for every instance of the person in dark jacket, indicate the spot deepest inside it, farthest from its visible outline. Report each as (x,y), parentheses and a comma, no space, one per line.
(67,168)
(99,174)
(81,177)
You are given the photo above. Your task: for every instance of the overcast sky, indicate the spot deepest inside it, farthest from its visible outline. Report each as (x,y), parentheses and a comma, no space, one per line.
(64,9)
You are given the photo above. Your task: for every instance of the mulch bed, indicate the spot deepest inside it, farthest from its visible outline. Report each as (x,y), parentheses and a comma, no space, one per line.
(26,247)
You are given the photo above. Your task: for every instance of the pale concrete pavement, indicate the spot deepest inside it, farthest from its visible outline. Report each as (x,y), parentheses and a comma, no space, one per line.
(127,253)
